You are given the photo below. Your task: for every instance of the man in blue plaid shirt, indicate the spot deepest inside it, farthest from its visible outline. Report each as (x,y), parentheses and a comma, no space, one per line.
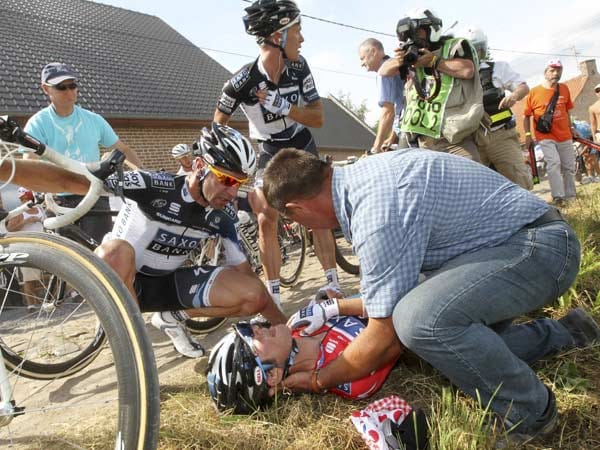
(492,252)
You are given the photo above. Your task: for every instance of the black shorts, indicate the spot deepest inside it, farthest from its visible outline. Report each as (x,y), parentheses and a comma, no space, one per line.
(186,288)
(302,141)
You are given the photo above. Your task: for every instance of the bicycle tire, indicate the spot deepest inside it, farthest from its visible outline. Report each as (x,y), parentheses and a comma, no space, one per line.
(342,259)
(135,424)
(292,242)
(204,325)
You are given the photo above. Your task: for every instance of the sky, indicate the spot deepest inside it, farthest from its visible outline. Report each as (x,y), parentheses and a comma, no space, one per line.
(557,28)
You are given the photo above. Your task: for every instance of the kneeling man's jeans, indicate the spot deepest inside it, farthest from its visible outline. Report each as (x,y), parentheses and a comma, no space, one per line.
(459,319)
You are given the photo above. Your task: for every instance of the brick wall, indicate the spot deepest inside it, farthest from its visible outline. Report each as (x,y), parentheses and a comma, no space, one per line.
(153,143)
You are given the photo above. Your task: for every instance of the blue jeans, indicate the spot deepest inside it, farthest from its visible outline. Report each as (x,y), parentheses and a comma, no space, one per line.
(460,318)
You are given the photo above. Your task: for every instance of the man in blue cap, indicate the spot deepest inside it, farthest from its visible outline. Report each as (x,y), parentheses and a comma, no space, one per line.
(75,132)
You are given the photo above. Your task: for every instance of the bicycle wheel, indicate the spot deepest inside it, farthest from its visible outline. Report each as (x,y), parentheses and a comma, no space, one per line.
(292,242)
(113,404)
(344,257)
(204,325)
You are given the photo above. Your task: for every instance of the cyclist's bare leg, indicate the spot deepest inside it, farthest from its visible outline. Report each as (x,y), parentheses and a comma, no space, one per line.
(268,244)
(324,248)
(235,294)
(120,255)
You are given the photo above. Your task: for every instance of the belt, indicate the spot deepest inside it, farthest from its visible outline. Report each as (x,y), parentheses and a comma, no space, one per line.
(552,215)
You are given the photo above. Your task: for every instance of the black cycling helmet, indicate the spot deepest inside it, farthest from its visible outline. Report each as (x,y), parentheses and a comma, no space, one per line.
(237,379)
(265,17)
(227,148)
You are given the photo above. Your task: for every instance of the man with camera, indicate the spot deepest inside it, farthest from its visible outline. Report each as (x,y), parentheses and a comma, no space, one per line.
(549,105)
(444,101)
(497,139)
(391,96)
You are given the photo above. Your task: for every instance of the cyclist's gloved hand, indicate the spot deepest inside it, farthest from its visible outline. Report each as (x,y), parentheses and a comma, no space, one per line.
(313,316)
(276,104)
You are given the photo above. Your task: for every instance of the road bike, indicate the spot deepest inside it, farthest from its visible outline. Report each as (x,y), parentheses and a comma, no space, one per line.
(47,400)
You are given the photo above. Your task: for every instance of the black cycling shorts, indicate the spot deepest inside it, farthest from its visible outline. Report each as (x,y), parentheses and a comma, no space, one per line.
(186,288)
(303,141)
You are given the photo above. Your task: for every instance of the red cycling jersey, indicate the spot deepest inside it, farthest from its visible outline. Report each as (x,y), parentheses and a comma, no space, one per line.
(339,332)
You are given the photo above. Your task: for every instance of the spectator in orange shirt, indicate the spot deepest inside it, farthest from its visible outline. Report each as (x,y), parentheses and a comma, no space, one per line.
(557,144)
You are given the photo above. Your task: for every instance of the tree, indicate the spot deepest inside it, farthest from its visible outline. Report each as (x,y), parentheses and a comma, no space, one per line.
(360,110)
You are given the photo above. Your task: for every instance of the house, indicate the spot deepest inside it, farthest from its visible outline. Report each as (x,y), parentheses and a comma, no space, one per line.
(152,85)
(582,92)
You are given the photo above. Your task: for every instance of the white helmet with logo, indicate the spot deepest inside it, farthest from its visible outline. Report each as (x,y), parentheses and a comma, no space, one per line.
(477,38)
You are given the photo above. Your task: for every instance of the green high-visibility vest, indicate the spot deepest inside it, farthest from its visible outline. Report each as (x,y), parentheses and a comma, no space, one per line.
(426,116)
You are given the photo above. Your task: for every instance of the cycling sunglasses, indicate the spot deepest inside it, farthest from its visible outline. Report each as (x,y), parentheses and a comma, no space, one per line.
(245,331)
(64,87)
(226,179)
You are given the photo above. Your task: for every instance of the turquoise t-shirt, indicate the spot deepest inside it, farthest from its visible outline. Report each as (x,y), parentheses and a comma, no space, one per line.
(78,136)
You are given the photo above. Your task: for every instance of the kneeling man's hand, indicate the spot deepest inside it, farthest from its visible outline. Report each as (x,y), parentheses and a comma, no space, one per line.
(313,316)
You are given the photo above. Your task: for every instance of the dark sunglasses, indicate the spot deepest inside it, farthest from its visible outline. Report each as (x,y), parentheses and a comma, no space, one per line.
(64,87)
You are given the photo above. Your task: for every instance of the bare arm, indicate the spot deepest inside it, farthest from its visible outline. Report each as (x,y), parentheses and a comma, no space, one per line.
(375,346)
(386,120)
(221,117)
(460,68)
(43,176)
(521,91)
(15,223)
(132,157)
(390,67)
(310,115)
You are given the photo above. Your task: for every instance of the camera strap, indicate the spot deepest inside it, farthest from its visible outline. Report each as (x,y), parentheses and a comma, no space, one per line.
(552,105)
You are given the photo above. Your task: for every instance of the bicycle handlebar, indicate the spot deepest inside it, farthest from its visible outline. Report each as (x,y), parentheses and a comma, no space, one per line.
(11,132)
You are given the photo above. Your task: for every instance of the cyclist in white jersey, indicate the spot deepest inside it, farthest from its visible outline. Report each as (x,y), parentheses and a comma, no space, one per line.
(278,95)
(164,218)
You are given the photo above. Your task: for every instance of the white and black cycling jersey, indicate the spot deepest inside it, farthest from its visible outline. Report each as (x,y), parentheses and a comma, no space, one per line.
(163,223)
(296,85)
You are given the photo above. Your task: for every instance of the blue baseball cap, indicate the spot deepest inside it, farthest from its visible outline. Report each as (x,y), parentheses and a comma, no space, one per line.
(55,73)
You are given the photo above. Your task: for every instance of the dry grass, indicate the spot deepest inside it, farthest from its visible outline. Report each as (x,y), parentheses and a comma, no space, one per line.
(188,420)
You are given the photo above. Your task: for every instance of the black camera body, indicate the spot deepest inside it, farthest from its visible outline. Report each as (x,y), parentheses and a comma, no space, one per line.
(411,52)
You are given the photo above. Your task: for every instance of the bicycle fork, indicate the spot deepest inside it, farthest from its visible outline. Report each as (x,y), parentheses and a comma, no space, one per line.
(8,408)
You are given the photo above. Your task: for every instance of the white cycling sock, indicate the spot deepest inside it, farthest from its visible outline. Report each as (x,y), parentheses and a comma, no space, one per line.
(332,277)
(274,287)
(179,316)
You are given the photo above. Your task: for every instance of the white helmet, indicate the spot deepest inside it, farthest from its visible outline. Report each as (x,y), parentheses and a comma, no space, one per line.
(420,17)
(180,150)
(477,38)
(225,147)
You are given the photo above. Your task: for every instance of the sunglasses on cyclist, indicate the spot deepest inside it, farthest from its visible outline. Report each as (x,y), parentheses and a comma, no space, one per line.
(226,179)
(245,331)
(64,87)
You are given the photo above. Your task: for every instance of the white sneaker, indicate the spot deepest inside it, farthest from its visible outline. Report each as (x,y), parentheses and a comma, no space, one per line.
(586,180)
(174,327)
(595,179)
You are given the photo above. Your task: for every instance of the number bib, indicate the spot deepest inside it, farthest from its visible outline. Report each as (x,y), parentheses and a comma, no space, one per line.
(426,116)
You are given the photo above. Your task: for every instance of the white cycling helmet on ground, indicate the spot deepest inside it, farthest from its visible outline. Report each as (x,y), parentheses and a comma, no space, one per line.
(417,18)
(477,38)
(225,147)
(180,150)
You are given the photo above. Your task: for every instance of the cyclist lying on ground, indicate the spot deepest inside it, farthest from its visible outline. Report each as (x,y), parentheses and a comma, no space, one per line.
(168,217)
(246,366)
